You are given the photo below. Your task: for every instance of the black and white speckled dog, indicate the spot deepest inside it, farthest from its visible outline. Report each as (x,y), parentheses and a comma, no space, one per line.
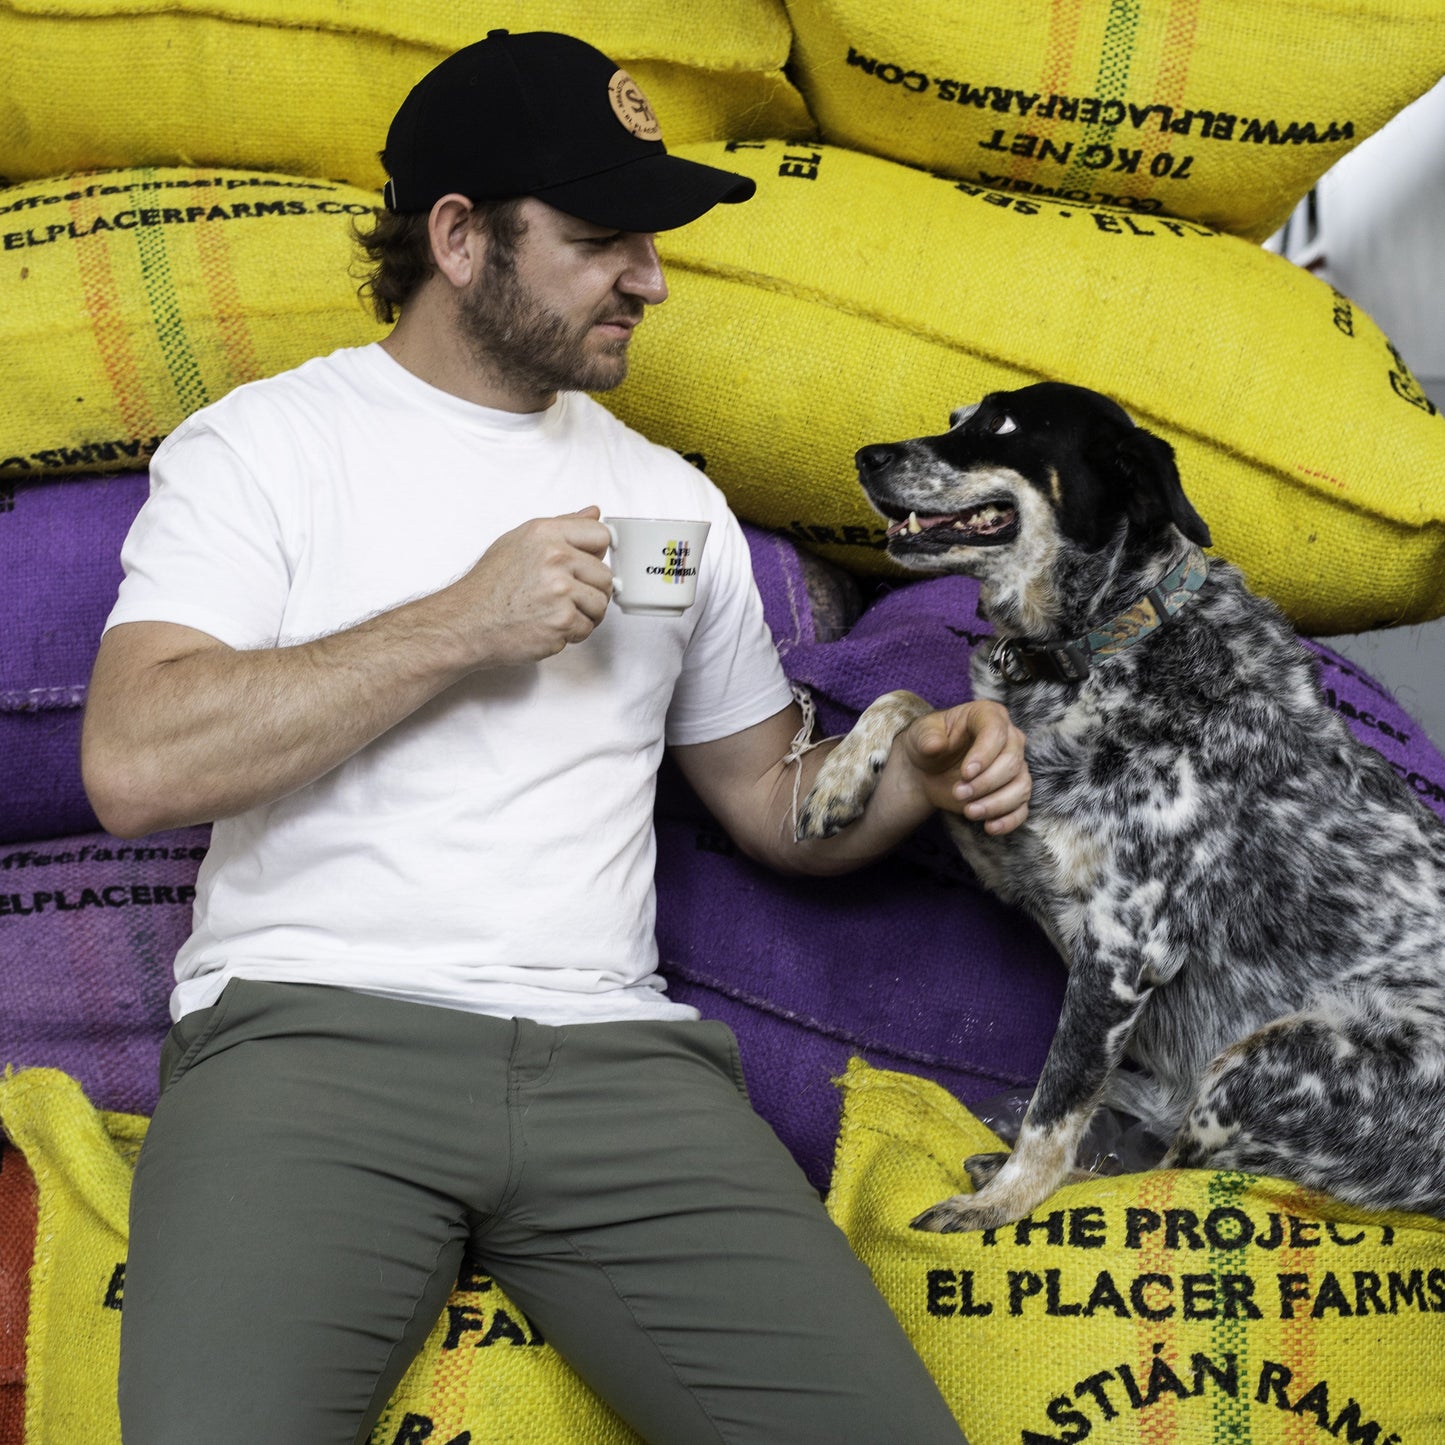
(1250,904)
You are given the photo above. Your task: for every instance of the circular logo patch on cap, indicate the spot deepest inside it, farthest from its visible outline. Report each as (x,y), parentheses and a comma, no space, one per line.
(631,107)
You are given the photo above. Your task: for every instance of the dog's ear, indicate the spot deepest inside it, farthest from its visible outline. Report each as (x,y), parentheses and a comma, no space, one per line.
(1155,493)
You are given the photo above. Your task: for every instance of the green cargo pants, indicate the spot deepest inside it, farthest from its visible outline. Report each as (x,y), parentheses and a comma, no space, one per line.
(321,1163)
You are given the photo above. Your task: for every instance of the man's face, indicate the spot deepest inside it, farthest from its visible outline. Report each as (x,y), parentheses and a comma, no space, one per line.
(557,314)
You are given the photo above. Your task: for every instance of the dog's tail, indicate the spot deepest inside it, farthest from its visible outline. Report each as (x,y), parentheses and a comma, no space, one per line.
(1155,1105)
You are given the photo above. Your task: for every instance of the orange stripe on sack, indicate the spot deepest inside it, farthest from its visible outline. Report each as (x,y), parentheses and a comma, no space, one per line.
(109,324)
(1158,1423)
(1178,50)
(449,1385)
(1298,1337)
(18,1204)
(238,359)
(1065,18)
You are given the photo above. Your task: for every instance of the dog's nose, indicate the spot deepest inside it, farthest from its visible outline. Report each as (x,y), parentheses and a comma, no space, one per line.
(874,458)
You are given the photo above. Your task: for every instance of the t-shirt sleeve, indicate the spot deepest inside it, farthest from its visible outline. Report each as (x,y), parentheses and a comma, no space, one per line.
(731,676)
(206,550)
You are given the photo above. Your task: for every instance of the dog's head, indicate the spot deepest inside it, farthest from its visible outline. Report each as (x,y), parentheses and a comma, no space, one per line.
(1044,494)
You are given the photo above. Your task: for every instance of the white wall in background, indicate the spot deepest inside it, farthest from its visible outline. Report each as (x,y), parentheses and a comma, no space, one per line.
(1374,226)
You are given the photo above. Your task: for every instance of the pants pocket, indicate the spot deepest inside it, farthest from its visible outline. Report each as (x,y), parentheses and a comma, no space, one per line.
(727,1044)
(189,1036)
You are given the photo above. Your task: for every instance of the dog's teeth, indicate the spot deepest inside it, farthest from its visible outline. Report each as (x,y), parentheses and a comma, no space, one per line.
(914,525)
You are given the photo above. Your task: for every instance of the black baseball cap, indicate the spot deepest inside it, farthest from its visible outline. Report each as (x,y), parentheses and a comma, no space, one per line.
(546,115)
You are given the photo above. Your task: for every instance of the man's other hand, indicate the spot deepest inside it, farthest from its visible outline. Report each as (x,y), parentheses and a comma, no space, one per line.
(969,759)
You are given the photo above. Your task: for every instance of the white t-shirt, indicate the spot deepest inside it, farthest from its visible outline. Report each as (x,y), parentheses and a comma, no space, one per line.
(495,850)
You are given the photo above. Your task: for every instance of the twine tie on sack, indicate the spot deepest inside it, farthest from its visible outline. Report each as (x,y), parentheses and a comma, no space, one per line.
(800,743)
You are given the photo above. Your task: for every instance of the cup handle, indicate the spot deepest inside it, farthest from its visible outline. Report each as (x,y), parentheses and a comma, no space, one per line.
(616,580)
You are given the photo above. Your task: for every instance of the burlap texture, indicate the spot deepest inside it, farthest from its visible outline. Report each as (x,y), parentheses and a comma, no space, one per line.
(60,567)
(311,87)
(130,299)
(855,300)
(89,930)
(1225,112)
(1178,1308)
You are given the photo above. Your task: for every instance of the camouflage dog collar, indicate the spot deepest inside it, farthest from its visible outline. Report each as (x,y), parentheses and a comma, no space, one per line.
(1017,660)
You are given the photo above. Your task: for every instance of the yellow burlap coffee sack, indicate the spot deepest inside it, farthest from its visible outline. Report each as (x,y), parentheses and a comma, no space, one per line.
(1180,1308)
(310,86)
(1224,111)
(484,1376)
(854,300)
(130,299)
(82,1160)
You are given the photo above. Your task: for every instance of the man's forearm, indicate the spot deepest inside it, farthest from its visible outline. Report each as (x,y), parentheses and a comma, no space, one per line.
(968,760)
(181,729)
(753,788)
(212,731)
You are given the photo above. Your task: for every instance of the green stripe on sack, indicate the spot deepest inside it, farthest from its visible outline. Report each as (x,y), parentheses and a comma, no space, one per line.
(1230,1413)
(155,265)
(1116,57)
(1117,54)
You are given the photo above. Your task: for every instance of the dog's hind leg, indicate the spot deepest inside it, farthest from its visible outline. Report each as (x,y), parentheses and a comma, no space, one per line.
(1348,1100)
(1100,1009)
(846,780)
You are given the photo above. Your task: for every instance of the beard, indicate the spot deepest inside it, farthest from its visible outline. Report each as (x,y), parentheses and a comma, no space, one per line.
(511,331)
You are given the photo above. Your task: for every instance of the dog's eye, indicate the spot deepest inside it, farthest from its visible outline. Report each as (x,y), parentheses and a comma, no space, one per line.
(961,414)
(1002,424)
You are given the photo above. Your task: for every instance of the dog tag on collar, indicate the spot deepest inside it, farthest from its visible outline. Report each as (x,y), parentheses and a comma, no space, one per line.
(1005,660)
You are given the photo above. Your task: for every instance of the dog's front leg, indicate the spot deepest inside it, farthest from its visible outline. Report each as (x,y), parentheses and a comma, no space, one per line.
(846,780)
(1102,1003)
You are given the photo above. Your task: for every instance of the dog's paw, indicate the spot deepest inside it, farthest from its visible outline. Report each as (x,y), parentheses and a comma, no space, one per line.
(982,1168)
(963,1212)
(845,783)
(847,778)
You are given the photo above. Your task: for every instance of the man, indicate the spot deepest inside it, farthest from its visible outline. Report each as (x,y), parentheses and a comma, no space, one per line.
(365,627)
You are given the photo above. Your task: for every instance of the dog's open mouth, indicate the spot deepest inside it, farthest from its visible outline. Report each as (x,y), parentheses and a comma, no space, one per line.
(986,525)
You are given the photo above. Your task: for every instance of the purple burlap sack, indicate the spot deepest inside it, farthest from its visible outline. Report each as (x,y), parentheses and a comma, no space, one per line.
(59,571)
(907,963)
(89,928)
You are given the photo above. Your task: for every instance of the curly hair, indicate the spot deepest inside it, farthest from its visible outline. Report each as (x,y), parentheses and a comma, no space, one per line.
(397,258)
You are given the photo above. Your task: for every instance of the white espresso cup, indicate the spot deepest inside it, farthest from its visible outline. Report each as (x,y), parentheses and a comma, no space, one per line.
(655,563)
